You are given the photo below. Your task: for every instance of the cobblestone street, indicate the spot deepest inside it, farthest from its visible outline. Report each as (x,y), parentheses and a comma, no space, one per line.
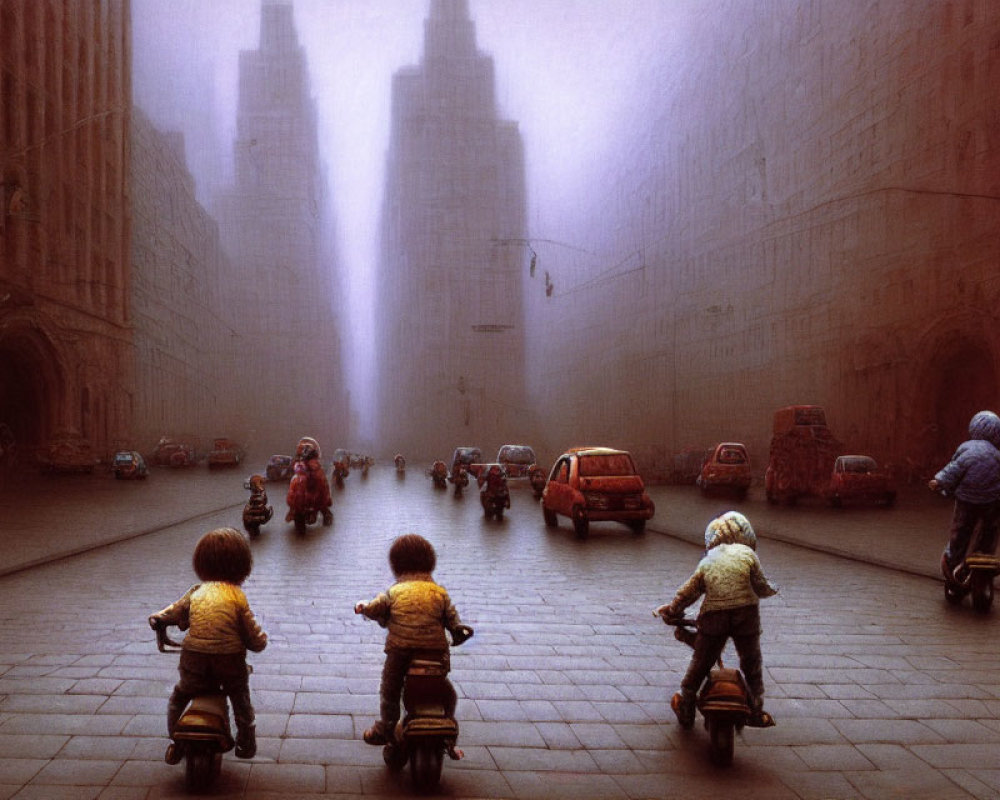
(879,688)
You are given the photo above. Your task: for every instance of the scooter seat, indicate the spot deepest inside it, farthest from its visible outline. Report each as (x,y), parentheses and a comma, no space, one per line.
(430,726)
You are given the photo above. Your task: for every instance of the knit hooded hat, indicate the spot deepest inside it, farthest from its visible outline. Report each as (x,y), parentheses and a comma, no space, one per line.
(985,425)
(732,528)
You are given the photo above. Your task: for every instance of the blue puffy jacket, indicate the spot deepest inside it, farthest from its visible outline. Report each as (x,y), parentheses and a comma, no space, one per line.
(973,474)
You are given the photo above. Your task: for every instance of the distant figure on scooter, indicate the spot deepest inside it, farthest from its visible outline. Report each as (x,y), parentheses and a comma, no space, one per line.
(972,477)
(417,612)
(221,628)
(309,490)
(732,580)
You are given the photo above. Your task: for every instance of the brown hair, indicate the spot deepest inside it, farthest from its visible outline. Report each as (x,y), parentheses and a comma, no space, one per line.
(223,555)
(412,553)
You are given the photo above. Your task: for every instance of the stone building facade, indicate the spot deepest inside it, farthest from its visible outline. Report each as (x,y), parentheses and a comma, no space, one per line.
(806,212)
(185,360)
(65,320)
(449,292)
(275,223)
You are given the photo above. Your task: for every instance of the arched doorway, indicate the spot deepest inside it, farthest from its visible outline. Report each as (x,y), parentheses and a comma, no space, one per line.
(960,379)
(31,386)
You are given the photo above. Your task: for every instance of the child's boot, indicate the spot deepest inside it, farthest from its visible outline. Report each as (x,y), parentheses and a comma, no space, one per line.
(683,708)
(246,742)
(759,718)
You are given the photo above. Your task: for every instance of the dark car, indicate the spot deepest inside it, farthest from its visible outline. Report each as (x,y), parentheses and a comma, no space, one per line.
(596,484)
(858,479)
(279,468)
(516,459)
(225,453)
(128,464)
(727,469)
(466,456)
(68,451)
(171,452)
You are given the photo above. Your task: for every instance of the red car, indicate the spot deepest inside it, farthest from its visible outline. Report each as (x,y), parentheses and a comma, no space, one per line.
(596,484)
(728,469)
(858,479)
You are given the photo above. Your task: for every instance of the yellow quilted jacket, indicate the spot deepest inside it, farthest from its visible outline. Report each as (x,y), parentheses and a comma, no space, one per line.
(217,618)
(416,612)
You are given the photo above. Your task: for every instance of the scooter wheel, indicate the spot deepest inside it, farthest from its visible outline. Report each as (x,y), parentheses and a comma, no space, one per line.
(722,738)
(300,524)
(199,769)
(394,757)
(425,766)
(952,595)
(253,530)
(982,595)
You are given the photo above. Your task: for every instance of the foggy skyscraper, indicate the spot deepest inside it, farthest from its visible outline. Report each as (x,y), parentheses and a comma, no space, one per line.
(449,312)
(272,223)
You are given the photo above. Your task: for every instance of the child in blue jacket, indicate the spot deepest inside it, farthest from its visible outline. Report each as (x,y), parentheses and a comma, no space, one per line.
(973,478)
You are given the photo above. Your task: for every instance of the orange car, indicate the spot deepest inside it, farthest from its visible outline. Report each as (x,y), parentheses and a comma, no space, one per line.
(858,479)
(596,484)
(728,469)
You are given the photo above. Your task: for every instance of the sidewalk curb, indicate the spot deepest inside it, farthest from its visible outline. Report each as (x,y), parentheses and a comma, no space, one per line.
(116,539)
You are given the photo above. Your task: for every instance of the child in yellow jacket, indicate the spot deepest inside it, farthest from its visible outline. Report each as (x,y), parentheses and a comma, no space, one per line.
(417,612)
(221,628)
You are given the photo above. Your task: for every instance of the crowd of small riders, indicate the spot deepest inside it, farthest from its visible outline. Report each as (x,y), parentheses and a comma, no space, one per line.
(417,611)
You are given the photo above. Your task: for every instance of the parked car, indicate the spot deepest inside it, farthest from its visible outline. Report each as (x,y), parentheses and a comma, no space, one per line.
(171,452)
(596,484)
(279,468)
(68,451)
(859,479)
(225,453)
(516,459)
(128,464)
(466,456)
(727,469)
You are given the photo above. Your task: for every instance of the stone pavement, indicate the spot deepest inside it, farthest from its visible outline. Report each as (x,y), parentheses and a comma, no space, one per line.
(880,689)
(51,518)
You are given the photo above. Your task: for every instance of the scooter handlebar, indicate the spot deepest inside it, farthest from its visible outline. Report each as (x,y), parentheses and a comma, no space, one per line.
(461,634)
(676,621)
(163,641)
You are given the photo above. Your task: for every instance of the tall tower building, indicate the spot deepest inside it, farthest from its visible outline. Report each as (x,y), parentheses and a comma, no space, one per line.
(65,313)
(274,225)
(450,318)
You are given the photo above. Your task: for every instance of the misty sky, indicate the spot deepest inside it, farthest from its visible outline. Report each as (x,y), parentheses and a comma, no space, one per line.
(569,72)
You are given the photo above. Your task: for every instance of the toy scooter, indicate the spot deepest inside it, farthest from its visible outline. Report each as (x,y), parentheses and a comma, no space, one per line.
(256,512)
(461,479)
(722,701)
(536,477)
(428,730)
(974,576)
(439,474)
(202,734)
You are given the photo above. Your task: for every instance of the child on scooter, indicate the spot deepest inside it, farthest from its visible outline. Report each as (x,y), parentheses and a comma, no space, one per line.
(973,478)
(221,628)
(732,580)
(416,611)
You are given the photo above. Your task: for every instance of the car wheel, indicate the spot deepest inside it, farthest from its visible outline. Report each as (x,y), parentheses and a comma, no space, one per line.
(580,523)
(638,526)
(551,519)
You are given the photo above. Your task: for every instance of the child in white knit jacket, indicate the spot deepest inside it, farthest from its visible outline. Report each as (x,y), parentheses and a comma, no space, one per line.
(732,580)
